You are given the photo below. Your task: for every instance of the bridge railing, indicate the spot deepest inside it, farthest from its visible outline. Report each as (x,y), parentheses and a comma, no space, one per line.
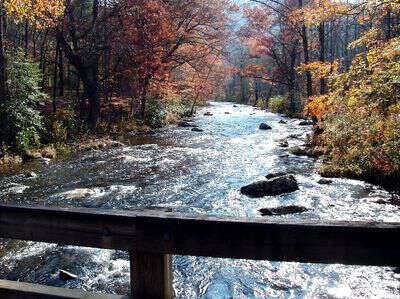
(153,236)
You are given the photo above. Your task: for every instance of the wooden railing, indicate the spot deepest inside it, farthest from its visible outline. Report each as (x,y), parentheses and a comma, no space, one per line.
(152,236)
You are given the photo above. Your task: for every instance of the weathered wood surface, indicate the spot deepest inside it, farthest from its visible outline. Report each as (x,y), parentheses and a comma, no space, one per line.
(106,229)
(152,236)
(19,290)
(151,275)
(352,243)
(159,232)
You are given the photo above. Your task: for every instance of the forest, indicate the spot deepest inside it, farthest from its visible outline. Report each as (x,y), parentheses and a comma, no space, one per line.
(199,149)
(79,69)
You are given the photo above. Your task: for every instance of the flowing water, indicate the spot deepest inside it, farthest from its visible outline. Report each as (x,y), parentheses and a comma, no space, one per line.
(198,173)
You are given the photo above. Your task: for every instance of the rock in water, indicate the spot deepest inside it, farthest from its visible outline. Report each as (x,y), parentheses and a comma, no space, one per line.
(282,122)
(275,175)
(185,124)
(208,114)
(264,126)
(32,155)
(309,152)
(271,187)
(284,143)
(325,182)
(285,210)
(305,123)
(197,130)
(116,144)
(78,193)
(298,151)
(31,175)
(65,275)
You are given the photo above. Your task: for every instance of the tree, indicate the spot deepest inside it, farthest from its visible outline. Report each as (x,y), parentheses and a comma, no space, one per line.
(20,121)
(162,36)
(39,13)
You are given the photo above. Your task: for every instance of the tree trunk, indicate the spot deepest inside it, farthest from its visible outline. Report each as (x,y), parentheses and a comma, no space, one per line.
(346,42)
(60,71)
(321,34)
(26,36)
(55,77)
(292,79)
(3,92)
(43,59)
(92,92)
(143,96)
(388,19)
(306,55)
(256,92)
(88,73)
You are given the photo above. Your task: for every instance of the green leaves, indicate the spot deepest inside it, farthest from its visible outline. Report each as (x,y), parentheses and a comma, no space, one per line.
(20,122)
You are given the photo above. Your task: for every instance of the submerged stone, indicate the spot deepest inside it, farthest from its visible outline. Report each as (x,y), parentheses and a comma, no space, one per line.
(185,124)
(275,175)
(284,210)
(325,182)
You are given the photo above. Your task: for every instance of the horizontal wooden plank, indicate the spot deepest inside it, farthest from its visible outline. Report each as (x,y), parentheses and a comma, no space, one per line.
(22,290)
(152,231)
(81,227)
(353,243)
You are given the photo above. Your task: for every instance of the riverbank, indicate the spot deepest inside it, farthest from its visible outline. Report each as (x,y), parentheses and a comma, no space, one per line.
(66,136)
(389,181)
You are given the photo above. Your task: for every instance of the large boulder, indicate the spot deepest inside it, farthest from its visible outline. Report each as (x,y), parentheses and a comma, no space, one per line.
(264,126)
(271,187)
(285,210)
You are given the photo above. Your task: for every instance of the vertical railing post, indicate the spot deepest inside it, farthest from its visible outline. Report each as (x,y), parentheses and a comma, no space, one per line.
(151,275)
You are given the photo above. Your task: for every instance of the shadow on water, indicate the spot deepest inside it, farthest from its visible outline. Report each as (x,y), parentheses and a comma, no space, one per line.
(198,173)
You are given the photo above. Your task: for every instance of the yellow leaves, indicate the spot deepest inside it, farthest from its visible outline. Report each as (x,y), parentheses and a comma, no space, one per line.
(320,69)
(319,11)
(40,13)
(320,106)
(370,38)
